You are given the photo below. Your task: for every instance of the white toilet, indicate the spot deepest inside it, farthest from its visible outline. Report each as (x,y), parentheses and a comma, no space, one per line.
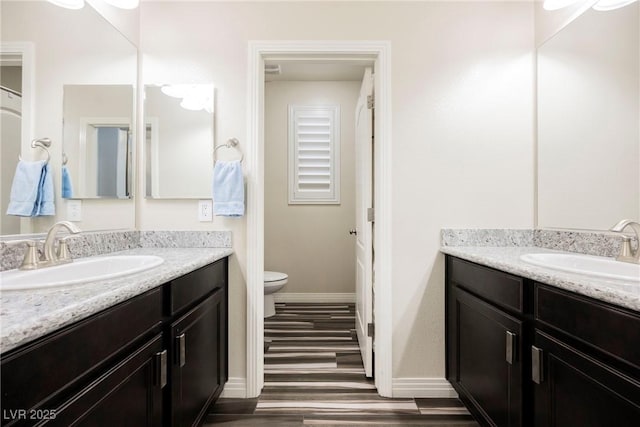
(273,282)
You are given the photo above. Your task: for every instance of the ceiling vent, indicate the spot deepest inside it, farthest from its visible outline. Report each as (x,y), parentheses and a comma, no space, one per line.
(272,69)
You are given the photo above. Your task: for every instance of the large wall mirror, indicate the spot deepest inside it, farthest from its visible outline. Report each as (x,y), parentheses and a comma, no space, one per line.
(72,67)
(179,141)
(589,122)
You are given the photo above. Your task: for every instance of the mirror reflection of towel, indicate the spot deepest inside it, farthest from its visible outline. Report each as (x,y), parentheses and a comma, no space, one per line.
(67,188)
(32,190)
(228,189)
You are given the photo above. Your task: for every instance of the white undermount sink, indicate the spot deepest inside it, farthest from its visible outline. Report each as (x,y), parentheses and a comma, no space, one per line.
(80,271)
(587,265)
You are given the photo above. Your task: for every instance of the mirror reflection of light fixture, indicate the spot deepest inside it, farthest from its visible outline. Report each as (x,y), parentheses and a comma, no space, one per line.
(68,4)
(600,5)
(604,5)
(124,4)
(195,97)
(558,4)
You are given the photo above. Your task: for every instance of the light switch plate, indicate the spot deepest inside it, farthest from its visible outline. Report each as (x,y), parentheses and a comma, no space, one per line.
(74,210)
(205,210)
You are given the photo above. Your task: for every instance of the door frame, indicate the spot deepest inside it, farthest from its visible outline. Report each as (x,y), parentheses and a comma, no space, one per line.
(380,52)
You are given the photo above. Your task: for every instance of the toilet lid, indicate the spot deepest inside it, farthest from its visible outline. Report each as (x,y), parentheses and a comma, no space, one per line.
(274,276)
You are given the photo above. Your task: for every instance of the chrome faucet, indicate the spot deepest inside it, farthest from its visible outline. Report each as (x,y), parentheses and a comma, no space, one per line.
(49,256)
(627,254)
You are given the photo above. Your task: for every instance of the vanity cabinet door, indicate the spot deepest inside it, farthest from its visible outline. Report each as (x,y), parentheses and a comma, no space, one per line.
(574,389)
(129,394)
(485,363)
(198,370)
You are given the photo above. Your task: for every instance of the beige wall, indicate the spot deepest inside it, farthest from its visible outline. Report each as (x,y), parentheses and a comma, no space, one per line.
(462,130)
(309,242)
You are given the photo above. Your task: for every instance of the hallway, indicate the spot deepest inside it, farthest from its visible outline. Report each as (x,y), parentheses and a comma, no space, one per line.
(314,376)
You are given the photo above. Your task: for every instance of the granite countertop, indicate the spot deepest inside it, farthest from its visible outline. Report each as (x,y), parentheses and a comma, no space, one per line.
(507,258)
(27,315)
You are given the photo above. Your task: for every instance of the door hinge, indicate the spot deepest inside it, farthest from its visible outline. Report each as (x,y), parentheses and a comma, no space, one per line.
(371,329)
(161,368)
(371,214)
(370,102)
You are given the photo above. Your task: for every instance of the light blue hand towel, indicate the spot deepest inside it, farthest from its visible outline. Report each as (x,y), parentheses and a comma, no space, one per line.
(67,188)
(228,189)
(45,205)
(24,190)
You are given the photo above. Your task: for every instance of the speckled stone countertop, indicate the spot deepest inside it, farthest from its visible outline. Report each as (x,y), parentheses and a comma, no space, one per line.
(27,315)
(507,258)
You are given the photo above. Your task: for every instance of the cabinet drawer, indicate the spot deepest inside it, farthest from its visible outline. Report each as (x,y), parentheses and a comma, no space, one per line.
(34,375)
(610,329)
(495,286)
(193,286)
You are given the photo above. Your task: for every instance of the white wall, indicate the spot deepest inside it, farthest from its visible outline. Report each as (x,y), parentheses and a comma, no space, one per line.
(309,242)
(462,107)
(93,53)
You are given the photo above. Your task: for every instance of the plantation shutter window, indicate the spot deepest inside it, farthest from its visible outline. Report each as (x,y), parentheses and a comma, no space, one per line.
(314,154)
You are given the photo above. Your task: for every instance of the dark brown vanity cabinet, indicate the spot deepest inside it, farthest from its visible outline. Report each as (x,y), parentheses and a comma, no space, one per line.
(485,342)
(199,367)
(121,366)
(575,360)
(585,361)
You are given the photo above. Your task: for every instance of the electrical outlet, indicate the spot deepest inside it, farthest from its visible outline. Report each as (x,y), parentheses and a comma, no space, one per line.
(205,210)
(74,210)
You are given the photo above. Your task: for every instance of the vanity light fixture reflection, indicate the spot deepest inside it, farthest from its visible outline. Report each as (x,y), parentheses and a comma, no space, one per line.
(599,5)
(68,4)
(605,5)
(195,97)
(124,4)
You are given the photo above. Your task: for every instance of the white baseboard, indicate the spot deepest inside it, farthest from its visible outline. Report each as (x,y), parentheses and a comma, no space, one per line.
(314,297)
(236,387)
(422,387)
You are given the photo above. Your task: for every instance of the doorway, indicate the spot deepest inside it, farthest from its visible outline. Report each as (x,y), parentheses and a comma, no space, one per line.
(378,53)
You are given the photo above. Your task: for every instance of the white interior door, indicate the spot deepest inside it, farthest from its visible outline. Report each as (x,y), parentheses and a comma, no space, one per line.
(364,227)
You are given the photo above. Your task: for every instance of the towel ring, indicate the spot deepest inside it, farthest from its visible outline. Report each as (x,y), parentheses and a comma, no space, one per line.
(42,143)
(231,143)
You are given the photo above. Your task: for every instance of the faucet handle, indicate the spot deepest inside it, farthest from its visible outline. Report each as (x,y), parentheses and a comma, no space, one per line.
(31,256)
(63,251)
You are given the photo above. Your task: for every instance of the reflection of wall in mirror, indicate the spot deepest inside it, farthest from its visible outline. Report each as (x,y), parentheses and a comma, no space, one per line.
(10,126)
(86,109)
(180,153)
(588,122)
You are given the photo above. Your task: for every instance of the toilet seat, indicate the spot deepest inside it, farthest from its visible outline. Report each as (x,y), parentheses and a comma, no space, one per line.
(274,276)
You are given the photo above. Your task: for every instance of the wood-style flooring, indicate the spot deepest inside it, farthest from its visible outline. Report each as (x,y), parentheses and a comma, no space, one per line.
(314,376)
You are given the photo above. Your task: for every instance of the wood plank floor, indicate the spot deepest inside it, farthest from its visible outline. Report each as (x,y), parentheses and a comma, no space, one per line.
(314,376)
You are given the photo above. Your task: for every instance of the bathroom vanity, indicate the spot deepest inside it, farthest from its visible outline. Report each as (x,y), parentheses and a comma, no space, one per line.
(531,347)
(157,358)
